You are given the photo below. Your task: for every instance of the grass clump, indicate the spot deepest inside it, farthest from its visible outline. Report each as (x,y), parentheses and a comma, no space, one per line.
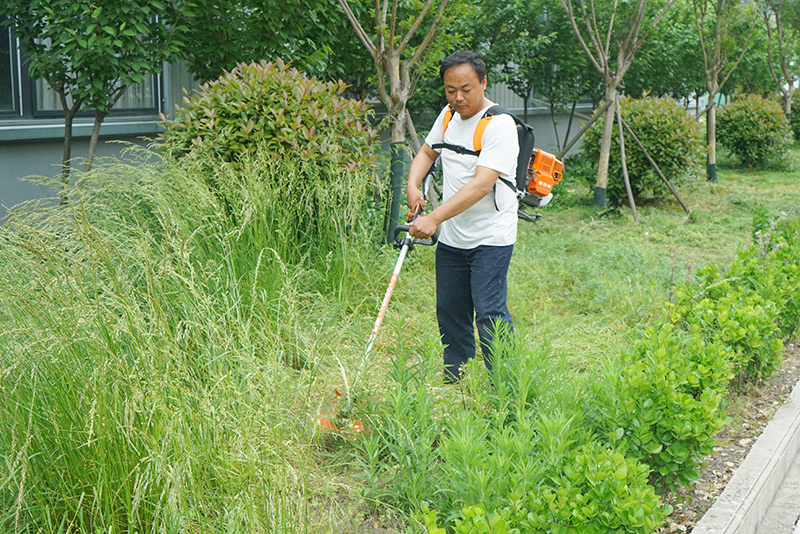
(157,369)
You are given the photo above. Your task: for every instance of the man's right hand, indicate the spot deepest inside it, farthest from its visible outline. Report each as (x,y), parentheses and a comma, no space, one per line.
(415,198)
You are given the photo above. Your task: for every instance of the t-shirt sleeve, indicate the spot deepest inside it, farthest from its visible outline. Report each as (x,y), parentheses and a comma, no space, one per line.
(436,135)
(500,146)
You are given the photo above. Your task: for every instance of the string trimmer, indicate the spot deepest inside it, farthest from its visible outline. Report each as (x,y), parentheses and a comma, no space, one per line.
(405,245)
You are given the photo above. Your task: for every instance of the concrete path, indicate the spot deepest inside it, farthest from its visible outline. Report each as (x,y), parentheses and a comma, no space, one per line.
(763,496)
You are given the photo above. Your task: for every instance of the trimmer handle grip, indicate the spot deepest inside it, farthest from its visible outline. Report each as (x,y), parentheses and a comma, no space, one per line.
(412,241)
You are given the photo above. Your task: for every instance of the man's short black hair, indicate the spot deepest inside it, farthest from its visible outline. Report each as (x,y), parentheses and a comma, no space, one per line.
(464,56)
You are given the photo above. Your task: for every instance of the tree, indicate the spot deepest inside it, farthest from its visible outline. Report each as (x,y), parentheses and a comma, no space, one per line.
(752,75)
(671,64)
(90,54)
(309,33)
(512,37)
(724,28)
(782,20)
(401,54)
(611,36)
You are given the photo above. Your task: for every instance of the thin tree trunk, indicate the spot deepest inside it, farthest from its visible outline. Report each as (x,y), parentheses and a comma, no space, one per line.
(711,133)
(569,123)
(412,133)
(555,125)
(66,154)
(605,150)
(787,103)
(98,121)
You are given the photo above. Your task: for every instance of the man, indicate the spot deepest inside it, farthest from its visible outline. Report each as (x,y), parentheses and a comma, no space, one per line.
(477,220)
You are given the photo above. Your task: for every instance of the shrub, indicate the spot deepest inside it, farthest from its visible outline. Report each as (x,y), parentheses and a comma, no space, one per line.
(274,106)
(795,118)
(593,491)
(661,404)
(729,310)
(754,129)
(672,138)
(599,490)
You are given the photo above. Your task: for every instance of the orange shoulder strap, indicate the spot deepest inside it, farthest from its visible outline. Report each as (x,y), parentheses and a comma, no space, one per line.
(477,137)
(446,120)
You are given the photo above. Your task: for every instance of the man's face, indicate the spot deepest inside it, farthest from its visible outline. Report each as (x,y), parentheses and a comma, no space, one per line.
(464,90)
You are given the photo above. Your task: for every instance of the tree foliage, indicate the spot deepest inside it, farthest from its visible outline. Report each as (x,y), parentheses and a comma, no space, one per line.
(782,23)
(724,28)
(90,54)
(671,64)
(312,34)
(611,35)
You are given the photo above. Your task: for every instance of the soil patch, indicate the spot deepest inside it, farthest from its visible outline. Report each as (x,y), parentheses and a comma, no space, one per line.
(750,412)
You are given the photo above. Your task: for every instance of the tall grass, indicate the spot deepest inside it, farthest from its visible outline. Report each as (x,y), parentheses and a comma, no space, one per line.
(157,372)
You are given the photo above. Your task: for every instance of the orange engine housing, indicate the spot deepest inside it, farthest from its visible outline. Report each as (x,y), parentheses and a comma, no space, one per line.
(544,171)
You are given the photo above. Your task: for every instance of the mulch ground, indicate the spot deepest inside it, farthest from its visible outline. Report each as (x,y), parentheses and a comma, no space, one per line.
(750,412)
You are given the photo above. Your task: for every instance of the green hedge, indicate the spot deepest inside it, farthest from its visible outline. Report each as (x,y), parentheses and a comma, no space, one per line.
(754,129)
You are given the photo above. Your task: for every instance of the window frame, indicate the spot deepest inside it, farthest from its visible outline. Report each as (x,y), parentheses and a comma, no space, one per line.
(24,93)
(15,63)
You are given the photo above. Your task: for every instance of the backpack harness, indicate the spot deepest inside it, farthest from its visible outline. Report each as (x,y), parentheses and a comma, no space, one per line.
(537,170)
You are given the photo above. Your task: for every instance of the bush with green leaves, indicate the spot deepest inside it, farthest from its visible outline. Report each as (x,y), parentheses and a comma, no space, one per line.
(594,490)
(671,136)
(598,490)
(727,310)
(771,266)
(794,121)
(273,106)
(660,404)
(754,129)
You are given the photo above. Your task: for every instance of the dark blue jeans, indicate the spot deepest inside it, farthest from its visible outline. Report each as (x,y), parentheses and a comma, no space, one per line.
(471,285)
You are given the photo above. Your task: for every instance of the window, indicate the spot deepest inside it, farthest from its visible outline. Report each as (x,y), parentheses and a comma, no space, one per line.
(138,97)
(8,74)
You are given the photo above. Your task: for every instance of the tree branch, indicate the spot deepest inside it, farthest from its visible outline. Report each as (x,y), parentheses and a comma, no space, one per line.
(416,24)
(362,35)
(567,4)
(432,31)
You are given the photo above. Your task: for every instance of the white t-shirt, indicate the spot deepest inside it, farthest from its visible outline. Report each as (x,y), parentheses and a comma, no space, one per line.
(483,223)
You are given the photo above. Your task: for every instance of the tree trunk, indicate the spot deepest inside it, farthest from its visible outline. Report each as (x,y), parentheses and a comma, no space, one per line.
(605,149)
(711,134)
(787,103)
(555,125)
(569,123)
(66,154)
(398,172)
(98,121)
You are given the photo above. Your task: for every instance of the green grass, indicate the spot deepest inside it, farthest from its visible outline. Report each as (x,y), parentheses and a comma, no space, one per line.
(163,356)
